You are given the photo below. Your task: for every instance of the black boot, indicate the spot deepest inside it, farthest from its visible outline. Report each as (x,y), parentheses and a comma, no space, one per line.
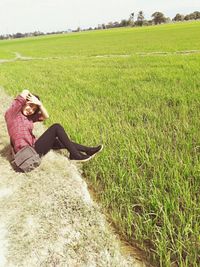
(93,150)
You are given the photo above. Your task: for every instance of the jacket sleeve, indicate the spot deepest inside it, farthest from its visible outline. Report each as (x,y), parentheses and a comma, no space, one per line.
(16,106)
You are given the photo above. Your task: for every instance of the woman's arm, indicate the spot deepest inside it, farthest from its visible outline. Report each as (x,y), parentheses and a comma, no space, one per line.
(17,104)
(44,112)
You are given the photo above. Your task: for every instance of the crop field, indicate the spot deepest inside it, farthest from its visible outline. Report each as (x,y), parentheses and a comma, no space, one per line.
(137,91)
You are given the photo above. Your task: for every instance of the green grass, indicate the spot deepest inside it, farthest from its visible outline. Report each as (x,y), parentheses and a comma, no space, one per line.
(146,112)
(115,41)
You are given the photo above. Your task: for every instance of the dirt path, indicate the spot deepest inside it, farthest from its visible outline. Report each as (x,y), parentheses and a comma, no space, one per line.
(20,57)
(47,217)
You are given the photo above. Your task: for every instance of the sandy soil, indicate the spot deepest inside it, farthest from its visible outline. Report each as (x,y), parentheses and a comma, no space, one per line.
(47,217)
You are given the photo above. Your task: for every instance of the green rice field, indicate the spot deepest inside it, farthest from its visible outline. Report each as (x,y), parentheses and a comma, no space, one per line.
(137,91)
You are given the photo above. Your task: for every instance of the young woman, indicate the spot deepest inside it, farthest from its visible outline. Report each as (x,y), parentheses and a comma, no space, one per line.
(27,109)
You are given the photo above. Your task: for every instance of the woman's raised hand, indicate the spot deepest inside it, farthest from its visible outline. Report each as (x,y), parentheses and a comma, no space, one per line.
(33,100)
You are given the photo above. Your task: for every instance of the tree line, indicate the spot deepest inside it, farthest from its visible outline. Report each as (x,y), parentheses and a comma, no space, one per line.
(133,21)
(157,18)
(28,34)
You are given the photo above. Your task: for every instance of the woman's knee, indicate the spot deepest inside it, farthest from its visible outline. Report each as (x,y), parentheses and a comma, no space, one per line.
(56,126)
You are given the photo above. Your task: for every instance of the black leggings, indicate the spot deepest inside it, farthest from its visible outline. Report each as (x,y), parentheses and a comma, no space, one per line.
(55,137)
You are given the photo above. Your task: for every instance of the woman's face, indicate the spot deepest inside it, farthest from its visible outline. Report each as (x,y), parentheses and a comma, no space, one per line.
(29,109)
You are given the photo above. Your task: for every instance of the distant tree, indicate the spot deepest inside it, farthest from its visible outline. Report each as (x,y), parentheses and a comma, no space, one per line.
(178,17)
(158,17)
(150,22)
(116,24)
(109,25)
(140,19)
(146,23)
(132,16)
(103,26)
(124,23)
(37,33)
(131,19)
(18,35)
(193,16)
(187,17)
(196,14)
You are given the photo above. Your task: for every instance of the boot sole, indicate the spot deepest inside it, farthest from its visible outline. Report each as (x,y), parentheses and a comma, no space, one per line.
(80,160)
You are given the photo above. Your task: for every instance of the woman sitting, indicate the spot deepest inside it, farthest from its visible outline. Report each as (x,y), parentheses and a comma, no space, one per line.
(27,109)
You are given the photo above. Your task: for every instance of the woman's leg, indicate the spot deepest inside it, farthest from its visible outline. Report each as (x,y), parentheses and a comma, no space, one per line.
(48,138)
(86,149)
(58,145)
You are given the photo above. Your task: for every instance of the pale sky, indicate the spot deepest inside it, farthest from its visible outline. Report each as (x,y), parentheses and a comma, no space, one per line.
(54,15)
